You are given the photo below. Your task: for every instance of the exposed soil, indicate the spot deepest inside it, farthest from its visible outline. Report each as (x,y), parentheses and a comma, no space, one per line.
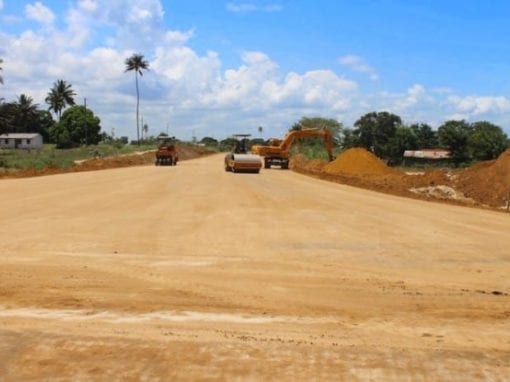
(485,184)
(152,273)
(358,162)
(184,152)
(488,182)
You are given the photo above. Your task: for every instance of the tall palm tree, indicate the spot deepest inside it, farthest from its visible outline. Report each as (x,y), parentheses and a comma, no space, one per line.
(60,96)
(137,63)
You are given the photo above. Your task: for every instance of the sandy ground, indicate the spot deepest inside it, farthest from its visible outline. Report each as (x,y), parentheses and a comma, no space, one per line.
(192,273)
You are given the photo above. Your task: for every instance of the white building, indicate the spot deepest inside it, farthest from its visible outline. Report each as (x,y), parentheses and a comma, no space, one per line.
(427,154)
(21,141)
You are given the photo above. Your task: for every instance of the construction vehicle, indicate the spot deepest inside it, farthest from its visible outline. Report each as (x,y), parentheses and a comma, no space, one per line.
(166,154)
(277,151)
(239,159)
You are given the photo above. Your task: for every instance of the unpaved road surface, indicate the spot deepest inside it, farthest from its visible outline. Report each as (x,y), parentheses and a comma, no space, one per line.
(191,273)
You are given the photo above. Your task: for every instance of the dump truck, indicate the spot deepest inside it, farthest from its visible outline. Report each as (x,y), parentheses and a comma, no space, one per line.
(276,152)
(166,155)
(239,159)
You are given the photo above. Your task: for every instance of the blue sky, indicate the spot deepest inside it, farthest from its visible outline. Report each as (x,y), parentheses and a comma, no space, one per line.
(219,67)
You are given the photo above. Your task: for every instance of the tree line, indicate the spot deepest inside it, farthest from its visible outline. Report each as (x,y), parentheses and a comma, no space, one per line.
(385,135)
(74,126)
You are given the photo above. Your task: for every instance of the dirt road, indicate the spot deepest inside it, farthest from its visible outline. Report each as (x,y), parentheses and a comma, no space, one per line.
(188,272)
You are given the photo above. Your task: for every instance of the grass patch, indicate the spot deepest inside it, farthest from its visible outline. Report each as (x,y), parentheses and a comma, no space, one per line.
(49,156)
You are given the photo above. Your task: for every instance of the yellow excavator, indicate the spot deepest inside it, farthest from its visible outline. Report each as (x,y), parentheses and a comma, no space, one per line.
(277,151)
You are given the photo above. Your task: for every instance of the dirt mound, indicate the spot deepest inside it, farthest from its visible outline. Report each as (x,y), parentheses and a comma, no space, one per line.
(137,159)
(487,182)
(300,162)
(359,168)
(358,161)
(484,184)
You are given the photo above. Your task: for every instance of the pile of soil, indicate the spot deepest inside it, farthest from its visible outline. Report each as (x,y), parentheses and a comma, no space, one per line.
(487,182)
(358,161)
(137,159)
(300,162)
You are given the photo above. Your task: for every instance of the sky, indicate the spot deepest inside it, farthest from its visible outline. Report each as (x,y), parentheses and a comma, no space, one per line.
(219,67)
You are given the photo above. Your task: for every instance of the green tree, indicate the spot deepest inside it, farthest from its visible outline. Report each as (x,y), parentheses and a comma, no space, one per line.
(25,114)
(209,141)
(7,113)
(43,124)
(314,147)
(454,136)
(331,124)
(349,139)
(336,128)
(60,96)
(426,138)
(137,64)
(404,139)
(227,144)
(78,126)
(375,130)
(486,140)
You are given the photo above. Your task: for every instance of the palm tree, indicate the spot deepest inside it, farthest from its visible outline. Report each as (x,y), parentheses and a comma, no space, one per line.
(60,96)
(1,78)
(137,63)
(25,113)
(55,101)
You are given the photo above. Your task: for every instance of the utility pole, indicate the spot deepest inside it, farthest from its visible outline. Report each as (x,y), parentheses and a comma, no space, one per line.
(142,125)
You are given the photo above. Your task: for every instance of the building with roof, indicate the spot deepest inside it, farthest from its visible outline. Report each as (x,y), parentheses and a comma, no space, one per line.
(27,141)
(435,157)
(427,154)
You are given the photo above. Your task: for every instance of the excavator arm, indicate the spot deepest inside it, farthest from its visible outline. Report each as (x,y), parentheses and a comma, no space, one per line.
(309,133)
(279,154)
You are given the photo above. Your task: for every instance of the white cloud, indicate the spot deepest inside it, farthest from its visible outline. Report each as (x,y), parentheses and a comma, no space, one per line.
(39,13)
(183,72)
(251,7)
(358,64)
(178,37)
(474,106)
(412,97)
(87,5)
(1,4)
(257,85)
(192,90)
(78,29)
